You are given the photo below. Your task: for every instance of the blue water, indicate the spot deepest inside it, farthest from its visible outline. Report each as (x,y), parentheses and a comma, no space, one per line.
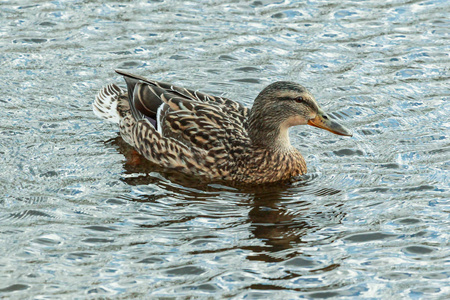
(370,220)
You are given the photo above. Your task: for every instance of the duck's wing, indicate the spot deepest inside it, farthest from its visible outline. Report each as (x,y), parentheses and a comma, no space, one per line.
(195,119)
(149,102)
(201,125)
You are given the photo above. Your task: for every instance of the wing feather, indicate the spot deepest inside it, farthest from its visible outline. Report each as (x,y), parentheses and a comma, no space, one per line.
(195,119)
(163,88)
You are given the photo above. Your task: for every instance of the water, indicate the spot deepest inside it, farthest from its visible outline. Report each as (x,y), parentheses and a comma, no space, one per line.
(370,220)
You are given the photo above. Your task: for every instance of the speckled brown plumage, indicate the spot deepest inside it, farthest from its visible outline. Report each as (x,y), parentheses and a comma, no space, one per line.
(213,137)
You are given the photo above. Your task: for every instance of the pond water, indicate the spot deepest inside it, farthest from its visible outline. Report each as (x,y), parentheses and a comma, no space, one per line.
(370,220)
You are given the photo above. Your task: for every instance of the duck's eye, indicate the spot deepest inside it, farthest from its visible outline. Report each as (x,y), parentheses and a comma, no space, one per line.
(299,99)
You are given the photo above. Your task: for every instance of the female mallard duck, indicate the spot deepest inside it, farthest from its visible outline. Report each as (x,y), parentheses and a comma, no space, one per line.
(214,137)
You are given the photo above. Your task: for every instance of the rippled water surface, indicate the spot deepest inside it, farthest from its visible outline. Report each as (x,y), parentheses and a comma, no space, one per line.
(370,220)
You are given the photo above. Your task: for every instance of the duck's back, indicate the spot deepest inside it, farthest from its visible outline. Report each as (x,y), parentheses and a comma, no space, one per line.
(198,120)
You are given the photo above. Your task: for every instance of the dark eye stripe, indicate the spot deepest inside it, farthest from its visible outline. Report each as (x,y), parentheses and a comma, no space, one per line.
(302,100)
(285,99)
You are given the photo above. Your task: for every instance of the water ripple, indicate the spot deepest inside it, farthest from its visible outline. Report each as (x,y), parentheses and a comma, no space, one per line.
(369,220)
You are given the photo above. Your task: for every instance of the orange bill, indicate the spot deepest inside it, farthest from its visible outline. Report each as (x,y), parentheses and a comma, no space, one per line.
(322,120)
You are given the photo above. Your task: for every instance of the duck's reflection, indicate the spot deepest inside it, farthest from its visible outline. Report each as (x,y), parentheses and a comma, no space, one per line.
(277,226)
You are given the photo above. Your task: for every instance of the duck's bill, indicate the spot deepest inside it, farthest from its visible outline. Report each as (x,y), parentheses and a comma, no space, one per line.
(324,122)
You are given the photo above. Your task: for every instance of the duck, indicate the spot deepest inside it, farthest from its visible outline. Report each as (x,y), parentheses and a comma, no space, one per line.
(213,137)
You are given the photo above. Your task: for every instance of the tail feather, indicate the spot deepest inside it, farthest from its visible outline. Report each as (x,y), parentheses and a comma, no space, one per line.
(144,102)
(105,104)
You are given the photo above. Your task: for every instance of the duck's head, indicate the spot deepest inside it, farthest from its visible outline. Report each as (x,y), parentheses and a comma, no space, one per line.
(284,104)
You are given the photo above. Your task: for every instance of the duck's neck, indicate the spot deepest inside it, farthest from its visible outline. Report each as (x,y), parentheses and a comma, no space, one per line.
(271,134)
